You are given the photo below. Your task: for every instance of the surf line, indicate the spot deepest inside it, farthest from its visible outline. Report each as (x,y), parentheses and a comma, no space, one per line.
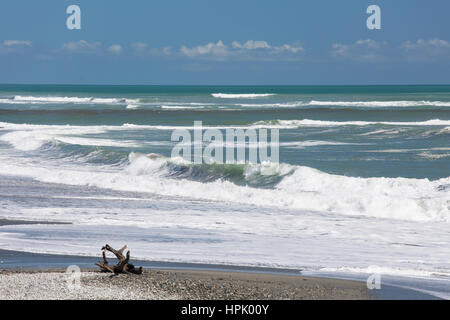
(241,145)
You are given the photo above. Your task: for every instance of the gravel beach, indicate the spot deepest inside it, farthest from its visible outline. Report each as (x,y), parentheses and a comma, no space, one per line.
(174,284)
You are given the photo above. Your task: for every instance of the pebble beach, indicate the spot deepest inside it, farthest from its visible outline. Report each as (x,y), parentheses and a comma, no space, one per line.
(174,284)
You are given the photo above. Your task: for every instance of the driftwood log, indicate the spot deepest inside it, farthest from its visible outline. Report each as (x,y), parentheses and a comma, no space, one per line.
(123,266)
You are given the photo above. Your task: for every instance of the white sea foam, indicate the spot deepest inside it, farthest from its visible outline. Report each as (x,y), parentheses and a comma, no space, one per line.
(180,107)
(445,130)
(32,137)
(291,145)
(97,142)
(380,103)
(304,189)
(273,228)
(374,104)
(32,140)
(290,124)
(19,99)
(434,156)
(274,105)
(364,104)
(313,143)
(132,106)
(26,140)
(241,95)
(105,128)
(277,124)
(71,129)
(386,270)
(65,100)
(382,131)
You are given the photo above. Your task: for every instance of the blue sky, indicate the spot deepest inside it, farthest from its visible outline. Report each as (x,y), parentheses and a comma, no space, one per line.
(225,42)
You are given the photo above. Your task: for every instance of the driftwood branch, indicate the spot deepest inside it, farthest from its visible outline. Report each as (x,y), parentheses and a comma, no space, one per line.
(123,266)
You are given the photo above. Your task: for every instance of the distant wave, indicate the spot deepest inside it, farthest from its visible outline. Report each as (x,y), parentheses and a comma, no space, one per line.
(33,140)
(132,102)
(374,104)
(66,100)
(180,107)
(132,106)
(434,156)
(313,143)
(289,124)
(271,124)
(241,96)
(380,103)
(274,105)
(32,137)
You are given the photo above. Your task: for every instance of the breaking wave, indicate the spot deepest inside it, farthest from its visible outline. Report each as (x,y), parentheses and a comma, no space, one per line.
(287,124)
(268,184)
(66,100)
(241,95)
(380,103)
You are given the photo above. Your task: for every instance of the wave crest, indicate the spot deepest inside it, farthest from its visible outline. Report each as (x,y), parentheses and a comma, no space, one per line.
(299,187)
(292,124)
(241,95)
(65,100)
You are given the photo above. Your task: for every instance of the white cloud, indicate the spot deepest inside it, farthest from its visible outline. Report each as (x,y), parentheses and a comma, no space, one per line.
(82,46)
(11,43)
(218,50)
(85,47)
(115,49)
(251,45)
(369,44)
(14,46)
(367,50)
(139,46)
(341,50)
(289,48)
(256,45)
(250,50)
(144,50)
(427,44)
(426,49)
(373,51)
(167,51)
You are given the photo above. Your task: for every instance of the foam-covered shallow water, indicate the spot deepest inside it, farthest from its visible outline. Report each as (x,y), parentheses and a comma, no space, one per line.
(363,181)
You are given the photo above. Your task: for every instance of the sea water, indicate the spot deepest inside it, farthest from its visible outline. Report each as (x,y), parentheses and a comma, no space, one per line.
(362,186)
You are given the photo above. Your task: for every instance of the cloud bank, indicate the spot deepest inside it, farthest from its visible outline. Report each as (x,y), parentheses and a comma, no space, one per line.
(249,50)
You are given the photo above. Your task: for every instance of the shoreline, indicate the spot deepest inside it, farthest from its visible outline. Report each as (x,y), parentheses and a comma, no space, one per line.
(23,264)
(217,282)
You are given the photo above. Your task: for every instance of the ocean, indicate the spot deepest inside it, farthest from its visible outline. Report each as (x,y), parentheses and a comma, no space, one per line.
(362,184)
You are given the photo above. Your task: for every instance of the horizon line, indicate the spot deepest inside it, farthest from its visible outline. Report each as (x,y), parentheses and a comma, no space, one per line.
(223,85)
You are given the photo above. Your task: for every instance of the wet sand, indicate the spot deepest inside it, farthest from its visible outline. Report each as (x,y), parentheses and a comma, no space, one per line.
(8,222)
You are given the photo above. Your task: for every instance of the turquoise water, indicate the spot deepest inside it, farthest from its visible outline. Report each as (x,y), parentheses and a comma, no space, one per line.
(369,150)
(362,183)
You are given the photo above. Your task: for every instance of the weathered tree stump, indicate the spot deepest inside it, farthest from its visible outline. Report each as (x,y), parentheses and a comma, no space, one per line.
(123,266)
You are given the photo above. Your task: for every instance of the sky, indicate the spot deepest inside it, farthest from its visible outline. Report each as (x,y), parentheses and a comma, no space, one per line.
(233,42)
